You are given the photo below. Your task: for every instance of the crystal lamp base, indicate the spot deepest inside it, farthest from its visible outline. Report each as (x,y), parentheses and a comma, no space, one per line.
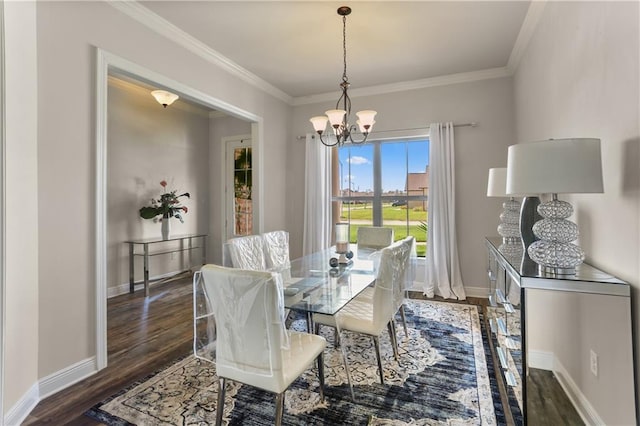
(554,252)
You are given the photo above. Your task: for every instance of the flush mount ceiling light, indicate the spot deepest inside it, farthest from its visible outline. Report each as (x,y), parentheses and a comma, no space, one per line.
(338,118)
(164,98)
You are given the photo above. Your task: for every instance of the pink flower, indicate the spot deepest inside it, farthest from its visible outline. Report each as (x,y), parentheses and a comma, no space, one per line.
(163,183)
(185,209)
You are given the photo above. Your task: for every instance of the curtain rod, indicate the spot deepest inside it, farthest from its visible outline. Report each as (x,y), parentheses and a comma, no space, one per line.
(471,124)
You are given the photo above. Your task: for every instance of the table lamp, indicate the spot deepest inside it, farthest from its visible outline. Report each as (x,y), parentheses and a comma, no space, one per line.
(509,228)
(555,166)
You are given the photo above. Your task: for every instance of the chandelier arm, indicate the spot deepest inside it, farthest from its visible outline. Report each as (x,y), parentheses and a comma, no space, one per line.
(328,144)
(352,131)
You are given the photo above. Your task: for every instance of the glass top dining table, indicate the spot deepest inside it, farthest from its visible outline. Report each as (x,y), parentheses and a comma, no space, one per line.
(311,285)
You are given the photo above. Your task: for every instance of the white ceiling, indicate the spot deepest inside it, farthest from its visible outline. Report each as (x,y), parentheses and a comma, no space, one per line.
(297,46)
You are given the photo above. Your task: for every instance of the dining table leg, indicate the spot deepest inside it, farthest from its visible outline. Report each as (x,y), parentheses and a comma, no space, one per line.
(309,322)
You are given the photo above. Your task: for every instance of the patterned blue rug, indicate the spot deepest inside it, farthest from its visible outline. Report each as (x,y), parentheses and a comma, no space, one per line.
(444,376)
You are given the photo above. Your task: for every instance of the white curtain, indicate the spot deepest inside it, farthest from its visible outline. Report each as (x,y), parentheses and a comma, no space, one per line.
(317,197)
(443,275)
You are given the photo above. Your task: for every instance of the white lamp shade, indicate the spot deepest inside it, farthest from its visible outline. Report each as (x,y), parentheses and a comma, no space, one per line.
(556,166)
(336,116)
(497,183)
(366,117)
(319,122)
(362,128)
(163,97)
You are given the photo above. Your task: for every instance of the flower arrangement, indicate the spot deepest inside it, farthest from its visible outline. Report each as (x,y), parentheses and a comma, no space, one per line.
(166,206)
(243,191)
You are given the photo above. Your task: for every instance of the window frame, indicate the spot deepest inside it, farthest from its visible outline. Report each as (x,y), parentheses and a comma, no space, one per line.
(377,199)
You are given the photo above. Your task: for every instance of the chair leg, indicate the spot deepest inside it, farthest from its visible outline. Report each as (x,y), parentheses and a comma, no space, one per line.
(376,343)
(320,361)
(336,338)
(404,320)
(391,327)
(347,372)
(279,408)
(220,407)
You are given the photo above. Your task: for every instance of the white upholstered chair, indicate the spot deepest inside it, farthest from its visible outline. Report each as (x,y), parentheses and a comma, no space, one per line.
(246,253)
(404,282)
(253,346)
(374,237)
(371,315)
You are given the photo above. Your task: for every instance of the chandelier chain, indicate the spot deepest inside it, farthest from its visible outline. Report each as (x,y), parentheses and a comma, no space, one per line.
(344,48)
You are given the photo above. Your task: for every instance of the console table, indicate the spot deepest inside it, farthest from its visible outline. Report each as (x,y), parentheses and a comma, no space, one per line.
(578,327)
(200,241)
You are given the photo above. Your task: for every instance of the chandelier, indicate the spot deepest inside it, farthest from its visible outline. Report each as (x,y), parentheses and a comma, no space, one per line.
(338,118)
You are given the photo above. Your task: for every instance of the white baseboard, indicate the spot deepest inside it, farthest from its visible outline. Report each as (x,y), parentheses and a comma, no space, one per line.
(124,288)
(48,386)
(541,360)
(67,376)
(19,412)
(481,292)
(582,405)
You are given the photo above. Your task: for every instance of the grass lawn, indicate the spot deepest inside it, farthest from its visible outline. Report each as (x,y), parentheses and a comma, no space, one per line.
(365,212)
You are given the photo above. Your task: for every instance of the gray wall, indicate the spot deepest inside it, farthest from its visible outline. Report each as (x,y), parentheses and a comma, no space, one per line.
(20,343)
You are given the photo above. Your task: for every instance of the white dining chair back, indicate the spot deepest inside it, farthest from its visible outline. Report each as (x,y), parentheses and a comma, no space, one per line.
(383,292)
(375,237)
(405,264)
(247,252)
(402,272)
(276,250)
(253,346)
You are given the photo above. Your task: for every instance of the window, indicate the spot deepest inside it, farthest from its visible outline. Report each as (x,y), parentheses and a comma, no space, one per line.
(384,183)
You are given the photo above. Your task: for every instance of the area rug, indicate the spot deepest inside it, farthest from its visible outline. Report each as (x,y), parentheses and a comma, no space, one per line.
(444,376)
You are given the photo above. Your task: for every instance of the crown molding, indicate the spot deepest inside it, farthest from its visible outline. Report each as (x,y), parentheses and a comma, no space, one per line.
(527,29)
(444,80)
(135,10)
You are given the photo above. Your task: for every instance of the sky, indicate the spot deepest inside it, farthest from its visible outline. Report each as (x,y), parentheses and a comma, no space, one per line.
(394,164)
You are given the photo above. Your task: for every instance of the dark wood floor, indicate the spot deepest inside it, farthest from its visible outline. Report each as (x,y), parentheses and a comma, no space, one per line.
(144,335)
(547,403)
